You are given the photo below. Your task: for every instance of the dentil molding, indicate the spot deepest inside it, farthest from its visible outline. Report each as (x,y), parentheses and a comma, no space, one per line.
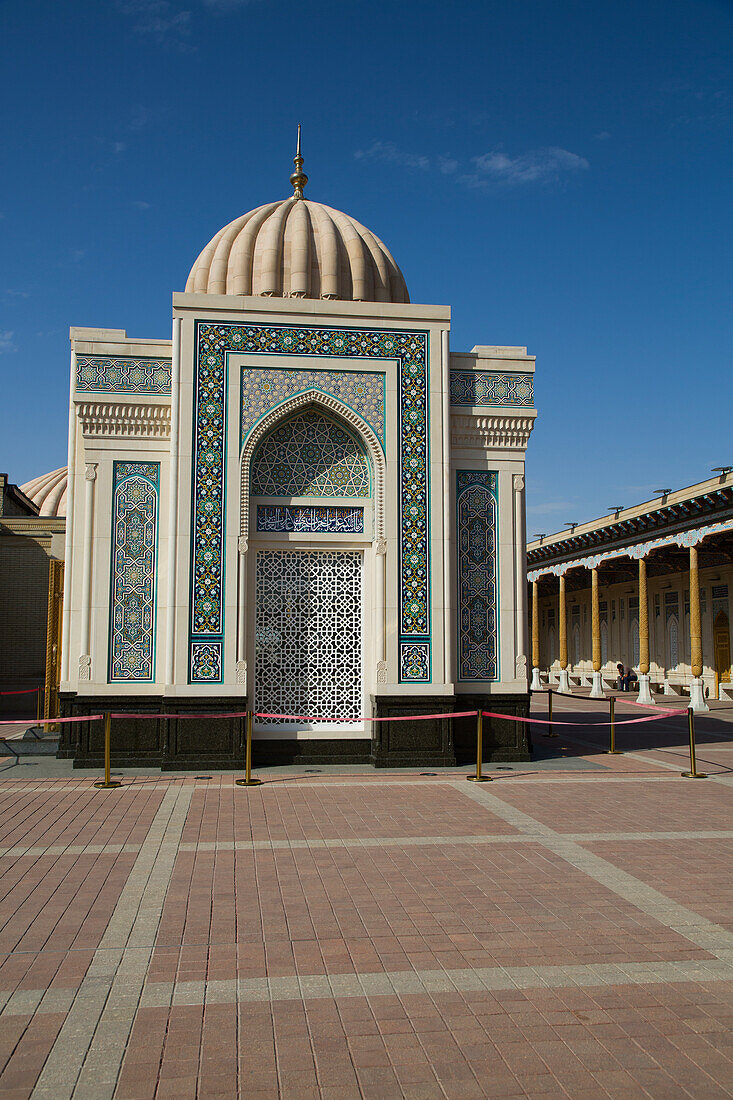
(491,431)
(124,419)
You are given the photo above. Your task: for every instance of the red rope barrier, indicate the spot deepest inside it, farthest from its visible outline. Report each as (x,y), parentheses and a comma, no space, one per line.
(297,717)
(581,725)
(48,721)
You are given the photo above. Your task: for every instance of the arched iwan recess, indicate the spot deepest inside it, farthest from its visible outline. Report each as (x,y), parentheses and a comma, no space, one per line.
(339,411)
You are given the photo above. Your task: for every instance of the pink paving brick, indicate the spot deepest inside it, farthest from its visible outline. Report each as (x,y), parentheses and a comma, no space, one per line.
(80,817)
(695,873)
(580,807)
(335,910)
(21,1069)
(59,902)
(327,811)
(392,909)
(532,1042)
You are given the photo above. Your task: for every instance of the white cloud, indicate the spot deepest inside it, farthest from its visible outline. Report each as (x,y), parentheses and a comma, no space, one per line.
(17,293)
(168,23)
(118,147)
(602,136)
(140,204)
(225,5)
(540,166)
(537,166)
(161,20)
(387,150)
(6,341)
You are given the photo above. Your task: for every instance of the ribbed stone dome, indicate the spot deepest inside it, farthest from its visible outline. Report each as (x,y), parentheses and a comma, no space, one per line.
(296,248)
(49,492)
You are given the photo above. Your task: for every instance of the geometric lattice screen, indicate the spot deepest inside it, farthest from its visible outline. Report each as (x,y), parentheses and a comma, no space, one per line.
(308,634)
(132,596)
(309,456)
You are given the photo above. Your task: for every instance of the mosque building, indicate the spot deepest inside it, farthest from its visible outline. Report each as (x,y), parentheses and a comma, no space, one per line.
(302,503)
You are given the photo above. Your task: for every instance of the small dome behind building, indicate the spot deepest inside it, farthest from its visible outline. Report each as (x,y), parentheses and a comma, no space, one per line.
(48,492)
(296,248)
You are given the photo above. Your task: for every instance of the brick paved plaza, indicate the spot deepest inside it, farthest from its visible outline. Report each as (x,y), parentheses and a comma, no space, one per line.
(565,930)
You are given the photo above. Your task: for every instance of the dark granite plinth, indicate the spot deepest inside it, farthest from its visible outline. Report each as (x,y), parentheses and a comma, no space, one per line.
(406,744)
(202,741)
(322,751)
(502,740)
(205,741)
(135,742)
(169,743)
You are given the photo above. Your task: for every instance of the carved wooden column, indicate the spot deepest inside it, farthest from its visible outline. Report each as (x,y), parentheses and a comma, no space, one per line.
(597,689)
(645,695)
(697,693)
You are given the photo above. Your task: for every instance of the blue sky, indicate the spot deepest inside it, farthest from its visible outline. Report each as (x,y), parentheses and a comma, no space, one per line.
(555,170)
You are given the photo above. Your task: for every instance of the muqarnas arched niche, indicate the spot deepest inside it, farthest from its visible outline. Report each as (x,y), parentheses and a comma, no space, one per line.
(337,471)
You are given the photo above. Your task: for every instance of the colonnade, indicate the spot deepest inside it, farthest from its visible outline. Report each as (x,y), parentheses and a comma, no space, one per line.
(697,695)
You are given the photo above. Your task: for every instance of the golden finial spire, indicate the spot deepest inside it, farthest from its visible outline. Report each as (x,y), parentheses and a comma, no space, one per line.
(298,178)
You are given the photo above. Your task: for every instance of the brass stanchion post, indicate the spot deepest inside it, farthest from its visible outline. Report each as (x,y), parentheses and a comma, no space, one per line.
(550,732)
(108,781)
(693,773)
(478,777)
(612,706)
(248,781)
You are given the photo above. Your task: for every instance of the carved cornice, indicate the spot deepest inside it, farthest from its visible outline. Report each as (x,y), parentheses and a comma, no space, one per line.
(491,431)
(124,419)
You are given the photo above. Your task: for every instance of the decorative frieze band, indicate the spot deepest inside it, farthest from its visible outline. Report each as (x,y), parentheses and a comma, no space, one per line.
(122,374)
(480,387)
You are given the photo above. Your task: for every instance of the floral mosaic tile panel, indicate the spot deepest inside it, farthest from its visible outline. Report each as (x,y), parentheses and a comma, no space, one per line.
(133,575)
(264,388)
(476,509)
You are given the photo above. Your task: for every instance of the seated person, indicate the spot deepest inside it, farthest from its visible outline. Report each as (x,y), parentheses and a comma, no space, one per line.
(626,677)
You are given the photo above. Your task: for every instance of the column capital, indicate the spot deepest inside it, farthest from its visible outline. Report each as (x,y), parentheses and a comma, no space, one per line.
(518,483)
(90,471)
